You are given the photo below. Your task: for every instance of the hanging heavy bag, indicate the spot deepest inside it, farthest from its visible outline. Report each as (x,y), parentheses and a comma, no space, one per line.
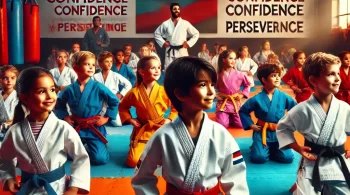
(15,31)
(31,27)
(4,54)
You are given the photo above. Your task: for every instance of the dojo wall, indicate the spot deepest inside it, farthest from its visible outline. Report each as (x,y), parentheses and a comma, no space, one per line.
(319,42)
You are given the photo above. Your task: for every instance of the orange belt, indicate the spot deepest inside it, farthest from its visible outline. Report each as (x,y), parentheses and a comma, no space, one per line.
(266,126)
(147,125)
(228,97)
(172,190)
(84,123)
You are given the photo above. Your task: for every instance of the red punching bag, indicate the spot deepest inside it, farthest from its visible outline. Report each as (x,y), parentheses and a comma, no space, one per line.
(4,53)
(31,29)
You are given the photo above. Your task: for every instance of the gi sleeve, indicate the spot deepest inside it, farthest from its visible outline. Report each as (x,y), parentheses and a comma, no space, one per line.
(234,176)
(246,85)
(80,167)
(158,34)
(253,66)
(193,33)
(111,100)
(61,108)
(7,156)
(285,130)
(124,83)
(131,75)
(244,114)
(144,181)
(125,105)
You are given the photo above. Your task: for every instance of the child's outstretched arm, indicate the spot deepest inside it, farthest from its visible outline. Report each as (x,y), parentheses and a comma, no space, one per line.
(144,181)
(234,176)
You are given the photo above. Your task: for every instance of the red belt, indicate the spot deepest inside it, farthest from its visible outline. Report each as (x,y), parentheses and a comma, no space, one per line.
(172,190)
(84,123)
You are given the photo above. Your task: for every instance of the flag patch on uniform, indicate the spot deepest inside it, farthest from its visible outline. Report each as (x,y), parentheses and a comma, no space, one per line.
(237,157)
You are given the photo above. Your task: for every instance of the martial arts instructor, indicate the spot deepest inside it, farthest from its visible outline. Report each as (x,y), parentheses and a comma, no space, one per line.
(172,35)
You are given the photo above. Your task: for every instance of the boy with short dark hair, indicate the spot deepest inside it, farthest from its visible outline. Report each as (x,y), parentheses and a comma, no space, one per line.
(197,155)
(324,122)
(269,107)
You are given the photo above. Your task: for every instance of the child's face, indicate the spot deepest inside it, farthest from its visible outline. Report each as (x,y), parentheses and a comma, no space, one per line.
(75,48)
(346,60)
(152,71)
(87,69)
(273,80)
(266,46)
(8,80)
(244,53)
(230,61)
(204,47)
(329,80)
(144,51)
(300,60)
(42,96)
(273,60)
(107,64)
(151,45)
(221,49)
(127,50)
(119,57)
(202,93)
(61,58)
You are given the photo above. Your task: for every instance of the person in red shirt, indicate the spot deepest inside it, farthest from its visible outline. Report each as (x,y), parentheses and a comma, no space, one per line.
(295,79)
(344,89)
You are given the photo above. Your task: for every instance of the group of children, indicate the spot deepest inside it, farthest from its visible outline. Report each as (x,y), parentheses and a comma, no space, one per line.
(208,160)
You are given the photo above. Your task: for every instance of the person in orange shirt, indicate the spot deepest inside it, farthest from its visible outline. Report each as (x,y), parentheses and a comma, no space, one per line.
(150,101)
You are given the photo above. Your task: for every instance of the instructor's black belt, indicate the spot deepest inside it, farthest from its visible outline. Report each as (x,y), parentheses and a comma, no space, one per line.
(173,48)
(327,152)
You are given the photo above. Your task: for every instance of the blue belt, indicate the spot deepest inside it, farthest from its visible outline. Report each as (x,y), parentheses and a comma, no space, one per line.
(41,180)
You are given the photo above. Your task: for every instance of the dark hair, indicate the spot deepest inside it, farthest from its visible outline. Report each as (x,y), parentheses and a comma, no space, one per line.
(95,17)
(143,62)
(296,55)
(76,43)
(114,52)
(222,56)
(188,68)
(317,63)
(342,54)
(104,55)
(11,68)
(223,45)
(173,5)
(24,84)
(264,42)
(126,45)
(240,50)
(62,51)
(266,69)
